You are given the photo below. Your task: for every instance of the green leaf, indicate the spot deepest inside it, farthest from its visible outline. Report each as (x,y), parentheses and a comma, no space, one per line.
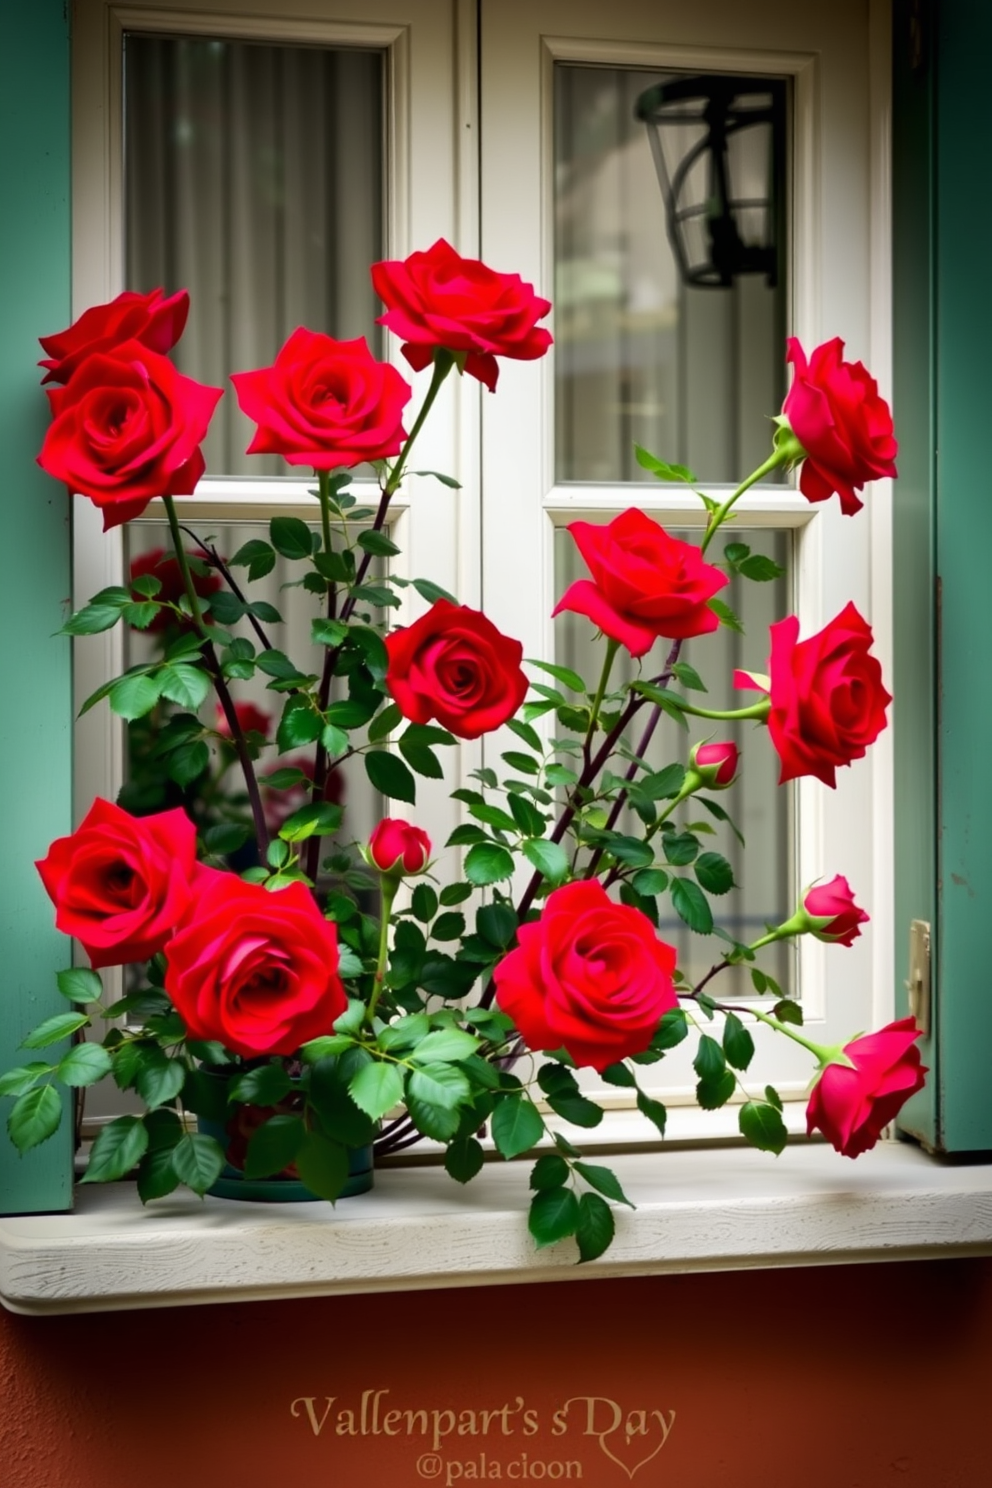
(763,1126)
(672,1029)
(334,740)
(53,1029)
(464,1159)
(497,923)
(80,985)
(25,1077)
(300,724)
(726,616)
(680,848)
(650,881)
(384,723)
(446,480)
(34,1117)
(445,1044)
(521,762)
(788,1011)
(319,819)
(571,679)
(84,1064)
(526,815)
(197,1160)
(438,1085)
(516,1126)
(456,893)
(323,1166)
(773,1097)
(711,1094)
(690,905)
(709,1061)
(604,1180)
(714,873)
(159,1079)
(529,735)
(273,1146)
(487,863)
(291,537)
(424,903)
(554,1215)
(662,470)
(738,1045)
(156,1175)
(282,780)
(256,556)
(133,696)
(183,684)
(263,1086)
(549,858)
(576,1109)
(140,616)
(390,776)
(438,1122)
(377,543)
(92,619)
(689,677)
(760,568)
(550,1171)
(596,1227)
(631,850)
(423,760)
(619,1074)
(187,762)
(377,1088)
(653,1110)
(493,816)
(432,592)
(664,784)
(118,1147)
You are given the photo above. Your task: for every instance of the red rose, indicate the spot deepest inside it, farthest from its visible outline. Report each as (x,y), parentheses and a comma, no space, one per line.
(845,428)
(833,914)
(253,720)
(126,428)
(454,665)
(257,971)
(398,847)
(121,884)
(851,1106)
(166,569)
(827,699)
(716,763)
(590,976)
(645,584)
(439,299)
(149,318)
(324,403)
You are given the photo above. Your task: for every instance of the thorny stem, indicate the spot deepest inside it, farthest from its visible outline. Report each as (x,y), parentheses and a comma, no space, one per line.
(217,562)
(220,686)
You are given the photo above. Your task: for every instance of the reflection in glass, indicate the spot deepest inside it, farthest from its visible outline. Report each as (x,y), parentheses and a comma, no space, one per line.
(691,374)
(758,806)
(215,794)
(253,178)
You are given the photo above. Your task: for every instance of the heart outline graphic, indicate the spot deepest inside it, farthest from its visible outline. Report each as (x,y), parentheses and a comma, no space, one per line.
(630,1471)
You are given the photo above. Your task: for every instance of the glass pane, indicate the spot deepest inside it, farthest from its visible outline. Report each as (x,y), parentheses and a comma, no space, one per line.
(254,180)
(757,805)
(215,794)
(692,374)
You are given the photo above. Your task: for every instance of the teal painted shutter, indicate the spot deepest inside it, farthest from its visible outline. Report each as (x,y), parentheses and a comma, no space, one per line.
(35,712)
(943,506)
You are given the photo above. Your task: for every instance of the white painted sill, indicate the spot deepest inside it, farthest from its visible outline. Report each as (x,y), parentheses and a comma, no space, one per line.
(697,1210)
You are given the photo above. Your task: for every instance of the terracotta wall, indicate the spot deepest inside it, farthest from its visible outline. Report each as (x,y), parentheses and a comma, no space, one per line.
(846,1377)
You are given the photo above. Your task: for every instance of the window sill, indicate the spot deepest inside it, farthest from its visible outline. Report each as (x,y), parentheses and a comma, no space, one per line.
(715,1209)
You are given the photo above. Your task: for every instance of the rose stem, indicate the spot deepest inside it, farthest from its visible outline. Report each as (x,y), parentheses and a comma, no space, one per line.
(220,686)
(781,456)
(217,562)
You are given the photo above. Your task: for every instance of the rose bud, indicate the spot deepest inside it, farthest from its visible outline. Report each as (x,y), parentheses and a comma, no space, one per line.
(397,848)
(715,764)
(832,913)
(859,1093)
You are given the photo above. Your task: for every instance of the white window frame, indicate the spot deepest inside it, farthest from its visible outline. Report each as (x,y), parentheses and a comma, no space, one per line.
(432,176)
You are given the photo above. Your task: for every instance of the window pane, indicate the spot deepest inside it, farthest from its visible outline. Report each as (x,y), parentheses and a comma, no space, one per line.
(757,805)
(254,180)
(692,374)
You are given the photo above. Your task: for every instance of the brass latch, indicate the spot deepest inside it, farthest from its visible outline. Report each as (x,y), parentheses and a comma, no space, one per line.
(918,984)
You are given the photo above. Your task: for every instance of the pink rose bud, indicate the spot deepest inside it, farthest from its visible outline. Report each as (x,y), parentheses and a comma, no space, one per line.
(832,913)
(396,847)
(716,763)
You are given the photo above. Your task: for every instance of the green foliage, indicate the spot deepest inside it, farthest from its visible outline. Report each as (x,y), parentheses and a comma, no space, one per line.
(390,775)
(197,1161)
(54,1029)
(265,1085)
(464,1159)
(84,1064)
(487,863)
(118,1147)
(516,1125)
(550,1171)
(690,905)
(738,1045)
(273,1146)
(553,1216)
(762,1125)
(595,1228)
(34,1116)
(80,985)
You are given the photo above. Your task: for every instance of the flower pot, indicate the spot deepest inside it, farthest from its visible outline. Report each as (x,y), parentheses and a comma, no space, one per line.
(281,1188)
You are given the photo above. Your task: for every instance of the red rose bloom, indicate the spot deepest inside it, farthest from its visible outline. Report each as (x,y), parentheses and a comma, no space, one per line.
(439,299)
(398,847)
(150,318)
(454,665)
(324,403)
(166,569)
(258,971)
(834,410)
(833,913)
(827,699)
(717,763)
(644,584)
(590,976)
(852,1106)
(126,428)
(121,884)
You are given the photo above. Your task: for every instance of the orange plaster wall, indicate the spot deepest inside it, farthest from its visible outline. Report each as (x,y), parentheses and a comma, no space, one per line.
(885,1380)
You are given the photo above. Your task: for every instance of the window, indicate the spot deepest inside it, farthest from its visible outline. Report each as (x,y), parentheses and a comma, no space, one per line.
(451,135)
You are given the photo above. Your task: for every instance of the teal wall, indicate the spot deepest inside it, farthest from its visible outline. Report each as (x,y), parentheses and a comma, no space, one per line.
(35,717)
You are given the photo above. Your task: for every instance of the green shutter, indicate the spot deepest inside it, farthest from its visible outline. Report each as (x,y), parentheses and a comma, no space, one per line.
(943,541)
(35,712)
